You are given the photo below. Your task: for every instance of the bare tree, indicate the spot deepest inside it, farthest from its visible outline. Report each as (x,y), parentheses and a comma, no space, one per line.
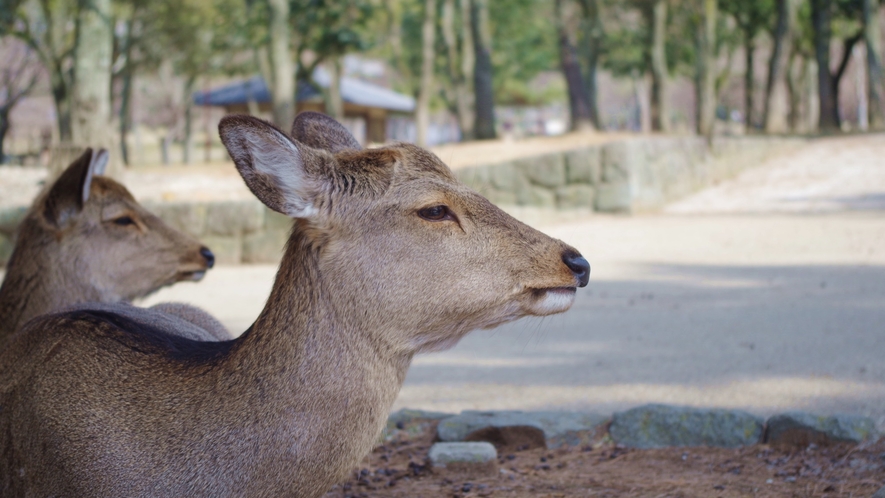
(821,18)
(655,13)
(875,78)
(91,96)
(482,77)
(775,114)
(19,72)
(705,75)
(579,101)
(459,64)
(592,46)
(425,91)
(282,85)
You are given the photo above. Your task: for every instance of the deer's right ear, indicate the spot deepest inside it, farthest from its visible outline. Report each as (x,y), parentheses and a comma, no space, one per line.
(270,163)
(70,191)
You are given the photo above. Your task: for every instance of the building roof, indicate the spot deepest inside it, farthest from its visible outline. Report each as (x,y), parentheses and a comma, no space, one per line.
(352,91)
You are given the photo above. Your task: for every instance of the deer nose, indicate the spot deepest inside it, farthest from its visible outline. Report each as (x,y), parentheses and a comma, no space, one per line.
(208,256)
(578,265)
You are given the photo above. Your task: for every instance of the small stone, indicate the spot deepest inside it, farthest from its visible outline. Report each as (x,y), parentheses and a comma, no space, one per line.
(467,458)
(802,429)
(659,426)
(525,428)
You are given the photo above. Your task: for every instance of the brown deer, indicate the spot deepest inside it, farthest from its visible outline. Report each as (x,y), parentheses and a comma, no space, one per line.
(85,239)
(389,256)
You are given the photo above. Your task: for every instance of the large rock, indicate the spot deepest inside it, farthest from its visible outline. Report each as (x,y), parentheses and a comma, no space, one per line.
(619,159)
(659,426)
(410,423)
(472,458)
(187,217)
(802,429)
(235,217)
(547,170)
(536,197)
(264,247)
(613,198)
(557,428)
(6,248)
(575,196)
(583,165)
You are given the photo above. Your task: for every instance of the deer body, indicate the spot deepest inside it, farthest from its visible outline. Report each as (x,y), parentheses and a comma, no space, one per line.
(85,239)
(389,256)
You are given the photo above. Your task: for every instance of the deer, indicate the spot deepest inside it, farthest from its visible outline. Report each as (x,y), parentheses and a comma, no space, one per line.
(86,239)
(389,256)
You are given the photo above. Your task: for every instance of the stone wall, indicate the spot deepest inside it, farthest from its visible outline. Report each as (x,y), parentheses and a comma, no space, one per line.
(634,175)
(639,174)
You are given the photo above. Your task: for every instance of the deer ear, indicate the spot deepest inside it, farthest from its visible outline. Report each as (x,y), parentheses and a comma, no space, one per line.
(69,193)
(270,163)
(319,131)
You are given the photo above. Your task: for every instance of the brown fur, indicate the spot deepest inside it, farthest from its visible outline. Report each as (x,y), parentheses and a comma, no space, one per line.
(97,403)
(70,250)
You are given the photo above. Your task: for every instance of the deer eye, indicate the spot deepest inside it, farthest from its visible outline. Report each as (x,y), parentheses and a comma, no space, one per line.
(436,213)
(124,221)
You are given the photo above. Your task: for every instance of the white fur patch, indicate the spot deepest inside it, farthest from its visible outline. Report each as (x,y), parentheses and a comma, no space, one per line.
(553,301)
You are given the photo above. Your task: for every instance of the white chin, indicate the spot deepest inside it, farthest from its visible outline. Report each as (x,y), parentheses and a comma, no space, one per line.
(550,301)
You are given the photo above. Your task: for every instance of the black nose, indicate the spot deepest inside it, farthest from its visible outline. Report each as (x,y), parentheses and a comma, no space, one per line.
(578,265)
(210,258)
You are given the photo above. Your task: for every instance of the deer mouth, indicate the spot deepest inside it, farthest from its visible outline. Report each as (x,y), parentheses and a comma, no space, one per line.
(191,276)
(551,300)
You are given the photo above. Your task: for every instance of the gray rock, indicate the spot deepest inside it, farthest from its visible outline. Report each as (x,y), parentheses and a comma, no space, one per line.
(880,493)
(619,159)
(407,416)
(274,221)
(575,196)
(475,177)
(547,170)
(536,197)
(659,426)
(479,457)
(802,428)
(187,217)
(559,428)
(613,198)
(234,217)
(500,197)
(583,165)
(506,177)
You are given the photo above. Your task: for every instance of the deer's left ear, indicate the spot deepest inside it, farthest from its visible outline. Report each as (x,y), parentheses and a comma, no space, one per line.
(69,193)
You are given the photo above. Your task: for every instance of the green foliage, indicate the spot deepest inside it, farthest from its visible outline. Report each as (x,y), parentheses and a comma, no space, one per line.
(523,44)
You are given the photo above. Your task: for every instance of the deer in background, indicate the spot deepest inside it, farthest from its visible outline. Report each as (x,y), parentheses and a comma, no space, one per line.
(85,239)
(389,256)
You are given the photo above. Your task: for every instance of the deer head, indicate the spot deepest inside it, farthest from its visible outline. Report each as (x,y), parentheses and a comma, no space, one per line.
(86,239)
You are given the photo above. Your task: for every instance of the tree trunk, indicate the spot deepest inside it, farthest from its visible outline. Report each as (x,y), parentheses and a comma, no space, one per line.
(705,78)
(794,93)
(91,96)
(282,86)
(468,66)
(4,128)
(749,79)
(463,105)
(484,125)
(660,105)
(187,147)
(875,77)
(61,97)
(592,48)
(775,117)
(579,101)
(125,115)
(334,102)
(849,44)
(821,17)
(428,39)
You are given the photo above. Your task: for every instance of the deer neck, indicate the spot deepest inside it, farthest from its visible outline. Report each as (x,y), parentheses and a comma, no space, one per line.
(342,382)
(36,285)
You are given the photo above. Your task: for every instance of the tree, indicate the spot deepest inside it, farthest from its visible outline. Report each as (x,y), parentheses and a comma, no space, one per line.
(459,64)
(19,73)
(91,97)
(282,82)
(484,126)
(705,60)
(821,18)
(428,32)
(656,17)
(751,17)
(592,46)
(579,100)
(775,111)
(875,78)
